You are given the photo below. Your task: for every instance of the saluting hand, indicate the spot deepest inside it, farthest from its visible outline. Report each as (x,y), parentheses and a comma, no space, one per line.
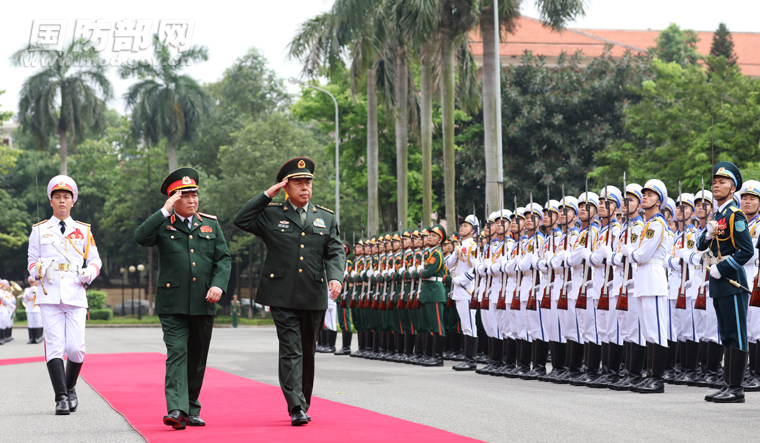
(275,189)
(171,200)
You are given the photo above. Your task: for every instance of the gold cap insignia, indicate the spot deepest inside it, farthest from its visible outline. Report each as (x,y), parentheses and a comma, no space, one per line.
(301,164)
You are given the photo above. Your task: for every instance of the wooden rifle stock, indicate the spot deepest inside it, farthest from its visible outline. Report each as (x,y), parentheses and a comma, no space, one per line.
(754,300)
(343,296)
(609,276)
(681,300)
(531,306)
(701,301)
(622,302)
(485,304)
(580,303)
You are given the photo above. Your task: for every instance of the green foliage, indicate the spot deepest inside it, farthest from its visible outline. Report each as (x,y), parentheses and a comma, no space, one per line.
(4,115)
(669,133)
(723,45)
(677,45)
(101,314)
(96,299)
(20,315)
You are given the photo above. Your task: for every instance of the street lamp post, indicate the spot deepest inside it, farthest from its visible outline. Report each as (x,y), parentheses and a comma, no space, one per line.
(123,278)
(140,269)
(295,81)
(132,269)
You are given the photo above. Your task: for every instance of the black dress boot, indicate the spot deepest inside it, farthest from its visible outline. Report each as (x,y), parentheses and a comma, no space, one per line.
(726,372)
(408,347)
(670,373)
(321,340)
(488,367)
(515,371)
(635,364)
(572,363)
(72,375)
(459,349)
(332,337)
(540,355)
(31,335)
(510,356)
(374,345)
(447,346)
(482,356)
(593,361)
(714,377)
(523,359)
(40,335)
(498,357)
(736,367)
(558,361)
(419,348)
(690,358)
(346,349)
(647,373)
(701,364)
(470,348)
(434,351)
(752,383)
(611,366)
(655,384)
(360,343)
(58,378)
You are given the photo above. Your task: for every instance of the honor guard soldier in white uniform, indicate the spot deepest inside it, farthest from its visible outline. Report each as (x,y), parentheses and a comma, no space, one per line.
(33,315)
(64,259)
(652,285)
(750,204)
(7,310)
(462,264)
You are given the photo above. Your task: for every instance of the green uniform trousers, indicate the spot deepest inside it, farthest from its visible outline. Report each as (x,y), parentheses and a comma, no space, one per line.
(432,318)
(187,339)
(732,320)
(297,331)
(344,319)
(235,319)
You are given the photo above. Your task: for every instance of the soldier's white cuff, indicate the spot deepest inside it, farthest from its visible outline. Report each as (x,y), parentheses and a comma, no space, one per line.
(165,212)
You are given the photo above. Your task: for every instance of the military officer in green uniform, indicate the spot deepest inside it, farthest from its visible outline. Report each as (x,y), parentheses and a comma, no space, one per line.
(433,296)
(194,269)
(729,246)
(305,259)
(235,311)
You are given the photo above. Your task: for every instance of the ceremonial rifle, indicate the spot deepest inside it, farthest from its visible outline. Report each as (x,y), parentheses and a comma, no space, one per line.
(609,275)
(485,304)
(474,302)
(515,305)
(400,302)
(622,303)
(701,301)
(352,302)
(566,274)
(681,300)
(580,303)
(380,269)
(389,305)
(410,299)
(501,303)
(531,306)
(546,299)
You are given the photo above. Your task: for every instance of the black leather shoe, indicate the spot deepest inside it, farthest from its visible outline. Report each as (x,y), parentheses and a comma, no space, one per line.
(195,420)
(176,419)
(298,417)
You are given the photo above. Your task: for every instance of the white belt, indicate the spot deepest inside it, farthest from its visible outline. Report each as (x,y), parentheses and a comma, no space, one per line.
(654,261)
(433,279)
(65,267)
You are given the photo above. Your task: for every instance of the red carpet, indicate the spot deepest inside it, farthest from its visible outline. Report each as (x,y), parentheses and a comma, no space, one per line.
(238,409)
(18,361)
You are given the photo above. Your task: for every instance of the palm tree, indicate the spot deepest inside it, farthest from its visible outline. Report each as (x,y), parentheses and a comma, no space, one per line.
(554,14)
(165,102)
(61,99)
(350,26)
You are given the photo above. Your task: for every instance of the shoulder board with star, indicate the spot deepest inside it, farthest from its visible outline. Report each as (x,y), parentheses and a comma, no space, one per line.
(326,209)
(203,214)
(43,221)
(83,223)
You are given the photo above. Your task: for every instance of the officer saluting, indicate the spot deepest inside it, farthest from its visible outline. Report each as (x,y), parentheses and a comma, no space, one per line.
(729,244)
(304,253)
(194,269)
(57,250)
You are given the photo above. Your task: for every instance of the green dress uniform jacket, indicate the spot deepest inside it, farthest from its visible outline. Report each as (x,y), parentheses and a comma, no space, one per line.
(190,262)
(432,291)
(300,259)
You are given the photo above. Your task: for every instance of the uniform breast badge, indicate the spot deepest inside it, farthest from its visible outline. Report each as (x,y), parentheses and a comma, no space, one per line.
(319,223)
(206,229)
(171,228)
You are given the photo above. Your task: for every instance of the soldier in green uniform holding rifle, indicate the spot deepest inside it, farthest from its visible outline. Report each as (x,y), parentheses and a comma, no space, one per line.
(194,269)
(235,311)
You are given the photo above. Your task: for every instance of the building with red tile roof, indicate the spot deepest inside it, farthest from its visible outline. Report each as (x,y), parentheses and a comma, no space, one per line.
(530,35)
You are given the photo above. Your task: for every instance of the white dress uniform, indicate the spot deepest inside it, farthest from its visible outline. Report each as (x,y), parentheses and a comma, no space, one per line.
(705,320)
(33,315)
(628,321)
(556,264)
(484,270)
(462,266)
(528,266)
(683,246)
(518,329)
(606,320)
(586,318)
(672,295)
(651,280)
(751,267)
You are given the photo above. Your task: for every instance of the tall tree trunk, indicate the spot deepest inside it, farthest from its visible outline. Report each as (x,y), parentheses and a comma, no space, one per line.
(373,219)
(64,153)
(490,123)
(172,151)
(426,132)
(447,111)
(402,136)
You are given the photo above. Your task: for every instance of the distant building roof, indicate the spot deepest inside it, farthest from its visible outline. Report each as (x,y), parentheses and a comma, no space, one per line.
(530,35)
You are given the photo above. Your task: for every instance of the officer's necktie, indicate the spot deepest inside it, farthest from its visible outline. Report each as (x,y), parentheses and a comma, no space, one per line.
(302,215)
(63,227)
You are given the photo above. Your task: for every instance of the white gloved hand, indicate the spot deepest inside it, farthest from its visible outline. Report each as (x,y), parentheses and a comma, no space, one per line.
(585,253)
(87,275)
(711,225)
(533,260)
(495,268)
(629,284)
(626,250)
(460,280)
(402,269)
(714,273)
(525,263)
(548,256)
(481,270)
(606,252)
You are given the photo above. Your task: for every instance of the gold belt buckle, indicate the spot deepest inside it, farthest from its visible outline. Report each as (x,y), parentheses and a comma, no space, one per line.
(63,266)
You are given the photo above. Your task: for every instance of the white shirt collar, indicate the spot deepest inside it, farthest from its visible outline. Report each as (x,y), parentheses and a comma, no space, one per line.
(723,206)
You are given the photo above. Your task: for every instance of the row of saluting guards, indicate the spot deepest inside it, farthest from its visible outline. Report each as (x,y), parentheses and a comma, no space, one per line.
(622,290)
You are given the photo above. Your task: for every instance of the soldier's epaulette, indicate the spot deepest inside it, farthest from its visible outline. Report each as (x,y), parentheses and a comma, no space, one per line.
(203,214)
(43,221)
(275,204)
(83,223)
(328,210)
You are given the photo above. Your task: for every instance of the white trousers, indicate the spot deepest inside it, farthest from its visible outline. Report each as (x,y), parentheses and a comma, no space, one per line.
(551,323)
(706,322)
(568,322)
(64,331)
(518,330)
(629,322)
(685,325)
(535,322)
(502,319)
(587,322)
(653,318)
(607,324)
(489,320)
(34,319)
(753,324)
(467,318)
